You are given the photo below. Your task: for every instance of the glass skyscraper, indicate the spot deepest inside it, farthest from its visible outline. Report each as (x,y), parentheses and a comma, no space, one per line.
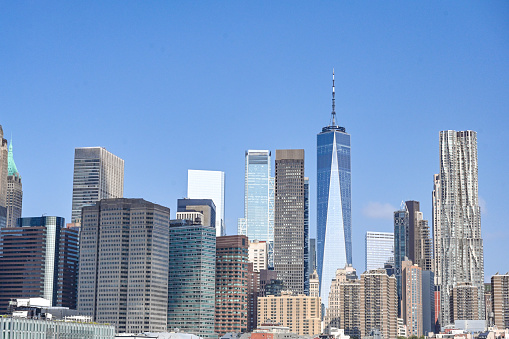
(334,220)
(258,221)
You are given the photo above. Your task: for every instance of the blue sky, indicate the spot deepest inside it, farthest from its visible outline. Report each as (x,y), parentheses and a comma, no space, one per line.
(171,86)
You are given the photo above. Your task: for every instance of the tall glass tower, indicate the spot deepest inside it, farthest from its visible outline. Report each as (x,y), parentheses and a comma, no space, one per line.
(258,221)
(334,220)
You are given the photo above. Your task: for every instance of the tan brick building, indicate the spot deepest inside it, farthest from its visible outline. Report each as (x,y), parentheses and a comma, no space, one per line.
(500,299)
(464,300)
(302,314)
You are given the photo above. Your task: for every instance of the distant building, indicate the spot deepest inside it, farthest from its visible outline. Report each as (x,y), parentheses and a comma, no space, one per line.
(289,224)
(258,255)
(378,309)
(266,276)
(14,191)
(39,258)
(412,298)
(98,174)
(202,211)
(191,276)
(258,221)
(312,254)
(379,249)
(123,270)
(203,184)
(500,299)
(401,226)
(314,285)
(464,295)
(231,284)
(301,313)
(3,169)
(428,302)
(253,291)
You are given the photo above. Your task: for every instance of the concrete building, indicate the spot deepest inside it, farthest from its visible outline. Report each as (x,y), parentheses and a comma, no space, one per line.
(39,258)
(231,284)
(344,306)
(301,313)
(203,184)
(334,201)
(289,230)
(500,299)
(428,302)
(464,295)
(401,226)
(379,249)
(457,217)
(253,292)
(258,221)
(258,255)
(191,276)
(312,255)
(266,277)
(98,174)
(411,302)
(378,309)
(201,211)
(3,170)
(123,269)
(14,191)
(314,285)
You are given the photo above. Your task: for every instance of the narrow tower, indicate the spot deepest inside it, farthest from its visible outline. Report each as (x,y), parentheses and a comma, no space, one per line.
(334,223)
(14,191)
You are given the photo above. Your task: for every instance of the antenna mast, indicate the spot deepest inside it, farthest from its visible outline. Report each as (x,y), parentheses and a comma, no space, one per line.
(333,101)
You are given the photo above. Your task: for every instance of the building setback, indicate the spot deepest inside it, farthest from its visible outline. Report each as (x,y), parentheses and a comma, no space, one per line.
(231,284)
(301,313)
(378,304)
(289,224)
(14,191)
(39,258)
(123,271)
(191,277)
(500,299)
(98,174)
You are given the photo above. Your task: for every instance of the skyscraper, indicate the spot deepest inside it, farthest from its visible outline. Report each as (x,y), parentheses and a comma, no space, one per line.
(457,214)
(500,299)
(191,279)
(379,249)
(39,258)
(14,191)
(123,268)
(412,298)
(401,220)
(3,170)
(98,174)
(208,185)
(334,220)
(289,215)
(258,221)
(201,210)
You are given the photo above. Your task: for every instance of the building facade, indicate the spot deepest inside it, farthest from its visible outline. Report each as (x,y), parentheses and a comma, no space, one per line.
(401,220)
(301,313)
(258,221)
(379,249)
(412,298)
(231,284)
(457,217)
(123,268)
(378,309)
(98,174)
(202,211)
(428,302)
(334,196)
(500,300)
(464,296)
(39,258)
(289,225)
(258,255)
(203,184)
(3,170)
(191,277)
(14,191)
(312,254)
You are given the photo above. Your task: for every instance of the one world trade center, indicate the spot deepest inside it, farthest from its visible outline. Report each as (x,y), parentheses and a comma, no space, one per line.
(334,217)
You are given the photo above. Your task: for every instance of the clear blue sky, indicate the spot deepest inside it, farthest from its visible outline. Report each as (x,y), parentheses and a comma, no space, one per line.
(170,86)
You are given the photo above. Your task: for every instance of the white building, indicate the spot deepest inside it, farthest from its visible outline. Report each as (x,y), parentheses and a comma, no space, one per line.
(258,255)
(379,249)
(203,184)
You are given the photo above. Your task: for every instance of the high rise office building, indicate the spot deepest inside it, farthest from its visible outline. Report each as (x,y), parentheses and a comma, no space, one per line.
(191,279)
(379,249)
(419,246)
(500,299)
(307,271)
(202,211)
(312,255)
(123,268)
(3,169)
(412,298)
(258,255)
(98,174)
(428,302)
(232,282)
(258,221)
(39,258)
(289,216)
(14,191)
(203,184)
(464,299)
(334,217)
(401,220)
(456,212)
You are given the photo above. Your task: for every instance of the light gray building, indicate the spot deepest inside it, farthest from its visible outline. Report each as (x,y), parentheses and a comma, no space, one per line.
(457,221)
(289,223)
(123,269)
(3,169)
(98,174)
(379,249)
(14,191)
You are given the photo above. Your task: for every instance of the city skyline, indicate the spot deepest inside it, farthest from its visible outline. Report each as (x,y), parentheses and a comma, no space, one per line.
(424,79)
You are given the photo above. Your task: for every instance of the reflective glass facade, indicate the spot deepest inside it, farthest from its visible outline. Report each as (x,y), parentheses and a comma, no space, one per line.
(334,221)
(258,221)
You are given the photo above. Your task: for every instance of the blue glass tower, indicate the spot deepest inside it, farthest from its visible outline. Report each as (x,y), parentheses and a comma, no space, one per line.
(334,218)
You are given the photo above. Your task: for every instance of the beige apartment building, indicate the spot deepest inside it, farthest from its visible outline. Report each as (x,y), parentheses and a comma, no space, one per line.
(411,302)
(301,313)
(464,296)
(500,299)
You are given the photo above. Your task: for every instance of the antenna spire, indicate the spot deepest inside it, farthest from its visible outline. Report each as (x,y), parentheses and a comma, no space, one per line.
(333,101)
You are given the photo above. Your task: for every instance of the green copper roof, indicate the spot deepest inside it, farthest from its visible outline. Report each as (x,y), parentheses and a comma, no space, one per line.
(11,166)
